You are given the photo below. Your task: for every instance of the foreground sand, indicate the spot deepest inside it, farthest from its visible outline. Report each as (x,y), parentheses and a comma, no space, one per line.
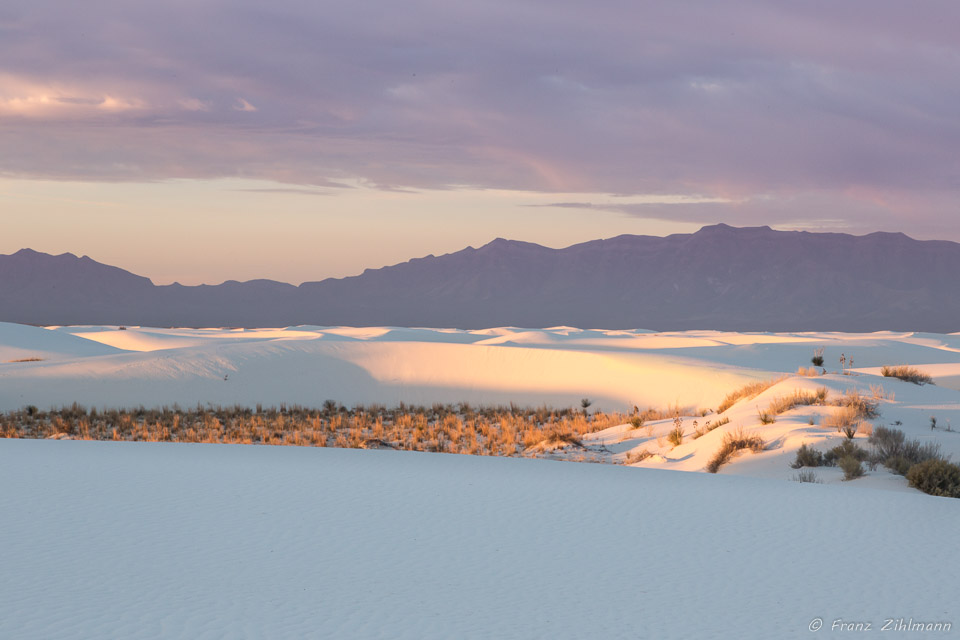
(149,540)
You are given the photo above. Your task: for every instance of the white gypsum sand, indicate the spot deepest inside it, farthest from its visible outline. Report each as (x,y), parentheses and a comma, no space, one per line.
(148,540)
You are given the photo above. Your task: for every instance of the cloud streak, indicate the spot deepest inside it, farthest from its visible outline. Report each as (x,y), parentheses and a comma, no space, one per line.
(797,111)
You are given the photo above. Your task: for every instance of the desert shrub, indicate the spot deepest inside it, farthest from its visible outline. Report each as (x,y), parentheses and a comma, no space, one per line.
(675,437)
(894,451)
(807,372)
(710,426)
(637,456)
(807,456)
(732,443)
(850,430)
(747,391)
(807,476)
(817,359)
(841,418)
(862,406)
(877,392)
(785,403)
(852,467)
(887,443)
(846,449)
(906,373)
(766,417)
(898,465)
(936,477)
(636,422)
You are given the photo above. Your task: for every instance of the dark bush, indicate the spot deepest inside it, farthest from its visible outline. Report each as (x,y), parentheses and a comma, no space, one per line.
(846,449)
(852,468)
(936,477)
(807,457)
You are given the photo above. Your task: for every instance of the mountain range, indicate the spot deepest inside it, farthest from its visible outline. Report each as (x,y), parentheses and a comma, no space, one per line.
(721,277)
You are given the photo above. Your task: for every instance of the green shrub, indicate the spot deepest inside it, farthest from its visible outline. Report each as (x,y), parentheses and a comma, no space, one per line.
(898,465)
(807,456)
(852,467)
(894,451)
(936,477)
(846,449)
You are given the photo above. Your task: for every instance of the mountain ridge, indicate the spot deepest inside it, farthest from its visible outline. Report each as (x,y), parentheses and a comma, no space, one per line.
(719,277)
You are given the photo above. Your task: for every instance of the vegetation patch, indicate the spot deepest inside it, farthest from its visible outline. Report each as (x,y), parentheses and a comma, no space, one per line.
(501,431)
(732,443)
(807,456)
(906,373)
(746,392)
(936,477)
(637,456)
(894,451)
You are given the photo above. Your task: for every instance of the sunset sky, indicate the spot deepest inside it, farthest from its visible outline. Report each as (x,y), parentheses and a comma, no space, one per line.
(203,140)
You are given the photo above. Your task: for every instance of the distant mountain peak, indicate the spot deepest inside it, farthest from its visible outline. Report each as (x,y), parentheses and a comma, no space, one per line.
(721,277)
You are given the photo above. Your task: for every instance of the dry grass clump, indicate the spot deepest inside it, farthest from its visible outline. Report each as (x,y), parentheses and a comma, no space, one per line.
(807,476)
(502,431)
(906,373)
(842,419)
(26,360)
(708,426)
(798,398)
(808,372)
(862,406)
(732,443)
(746,392)
(637,456)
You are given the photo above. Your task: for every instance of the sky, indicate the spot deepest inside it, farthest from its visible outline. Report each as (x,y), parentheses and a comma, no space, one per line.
(204,140)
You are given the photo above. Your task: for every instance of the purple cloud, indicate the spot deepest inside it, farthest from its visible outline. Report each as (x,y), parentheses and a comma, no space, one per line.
(843,108)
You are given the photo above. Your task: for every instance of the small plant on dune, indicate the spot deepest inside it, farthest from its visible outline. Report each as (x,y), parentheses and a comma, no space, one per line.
(906,373)
(751,390)
(732,443)
(26,360)
(807,456)
(710,426)
(766,417)
(852,468)
(846,449)
(637,456)
(933,422)
(808,372)
(850,430)
(675,437)
(817,359)
(807,476)
(783,404)
(877,392)
(636,422)
(861,405)
(840,419)
(936,477)
(585,403)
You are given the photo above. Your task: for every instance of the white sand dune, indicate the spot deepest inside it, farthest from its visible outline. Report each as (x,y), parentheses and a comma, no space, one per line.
(141,540)
(101,366)
(108,367)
